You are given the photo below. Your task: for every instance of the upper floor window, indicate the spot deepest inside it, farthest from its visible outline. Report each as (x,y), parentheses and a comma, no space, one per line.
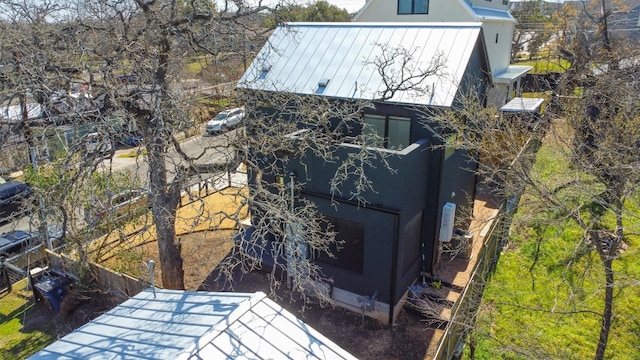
(413,6)
(390,132)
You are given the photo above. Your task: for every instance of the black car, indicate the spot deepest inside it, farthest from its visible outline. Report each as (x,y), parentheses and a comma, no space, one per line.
(13,196)
(15,242)
(127,78)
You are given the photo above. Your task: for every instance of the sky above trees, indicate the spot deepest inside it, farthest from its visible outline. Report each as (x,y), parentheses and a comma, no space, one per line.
(352,6)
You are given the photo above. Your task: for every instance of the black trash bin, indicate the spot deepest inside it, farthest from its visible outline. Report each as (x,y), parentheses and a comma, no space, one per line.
(53,287)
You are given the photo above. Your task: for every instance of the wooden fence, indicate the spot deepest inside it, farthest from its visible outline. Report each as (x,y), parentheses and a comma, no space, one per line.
(108,280)
(463,313)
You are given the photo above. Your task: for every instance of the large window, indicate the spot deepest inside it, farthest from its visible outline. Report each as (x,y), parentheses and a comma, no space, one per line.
(390,132)
(349,254)
(413,6)
(411,247)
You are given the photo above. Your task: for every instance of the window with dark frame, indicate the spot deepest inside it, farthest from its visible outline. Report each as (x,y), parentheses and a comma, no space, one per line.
(386,131)
(349,250)
(413,7)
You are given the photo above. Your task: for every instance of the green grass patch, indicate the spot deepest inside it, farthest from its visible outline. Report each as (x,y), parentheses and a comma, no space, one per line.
(546,295)
(17,341)
(216,103)
(546,65)
(133,154)
(195,64)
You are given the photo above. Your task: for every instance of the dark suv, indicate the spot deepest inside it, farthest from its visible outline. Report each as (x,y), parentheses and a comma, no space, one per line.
(15,242)
(13,195)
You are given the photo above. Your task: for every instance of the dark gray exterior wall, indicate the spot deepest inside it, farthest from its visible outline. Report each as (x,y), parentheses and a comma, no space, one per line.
(412,195)
(392,259)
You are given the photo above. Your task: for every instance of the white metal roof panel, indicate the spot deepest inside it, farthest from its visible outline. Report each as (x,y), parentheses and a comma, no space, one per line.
(13,113)
(492,14)
(511,73)
(300,55)
(199,325)
(520,104)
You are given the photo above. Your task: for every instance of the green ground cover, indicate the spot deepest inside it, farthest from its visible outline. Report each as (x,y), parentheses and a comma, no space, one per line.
(546,65)
(17,341)
(546,296)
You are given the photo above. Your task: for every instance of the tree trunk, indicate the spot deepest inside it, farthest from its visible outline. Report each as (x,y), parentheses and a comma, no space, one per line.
(165,197)
(607,314)
(164,215)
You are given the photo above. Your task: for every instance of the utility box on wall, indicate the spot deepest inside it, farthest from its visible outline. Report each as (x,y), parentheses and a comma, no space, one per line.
(447,222)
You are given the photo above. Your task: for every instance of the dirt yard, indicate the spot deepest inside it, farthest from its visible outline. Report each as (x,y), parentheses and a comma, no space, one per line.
(203,249)
(364,338)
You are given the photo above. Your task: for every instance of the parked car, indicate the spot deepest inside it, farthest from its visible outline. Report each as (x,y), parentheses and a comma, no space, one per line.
(131,139)
(97,143)
(13,197)
(16,242)
(124,205)
(129,78)
(225,120)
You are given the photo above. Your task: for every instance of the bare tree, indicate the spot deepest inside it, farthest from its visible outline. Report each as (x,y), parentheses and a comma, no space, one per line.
(595,136)
(129,55)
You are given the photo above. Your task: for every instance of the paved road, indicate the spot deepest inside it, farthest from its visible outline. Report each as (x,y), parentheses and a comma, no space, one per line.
(210,150)
(22,223)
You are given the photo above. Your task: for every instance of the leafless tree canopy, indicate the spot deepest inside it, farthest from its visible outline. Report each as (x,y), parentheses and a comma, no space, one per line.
(592,124)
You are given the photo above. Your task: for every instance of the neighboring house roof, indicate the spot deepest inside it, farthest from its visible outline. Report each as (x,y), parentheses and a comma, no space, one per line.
(511,73)
(339,58)
(521,105)
(484,14)
(546,1)
(13,113)
(174,324)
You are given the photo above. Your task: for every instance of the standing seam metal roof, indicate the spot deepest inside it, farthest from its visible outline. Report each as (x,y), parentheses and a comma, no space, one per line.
(300,55)
(174,324)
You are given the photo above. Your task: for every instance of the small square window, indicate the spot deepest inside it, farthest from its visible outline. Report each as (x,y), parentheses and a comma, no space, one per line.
(264,72)
(322,86)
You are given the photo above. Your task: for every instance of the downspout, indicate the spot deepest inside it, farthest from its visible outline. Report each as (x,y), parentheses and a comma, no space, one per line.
(436,242)
(394,270)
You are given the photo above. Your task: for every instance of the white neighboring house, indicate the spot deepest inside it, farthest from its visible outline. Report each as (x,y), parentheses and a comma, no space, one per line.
(497,26)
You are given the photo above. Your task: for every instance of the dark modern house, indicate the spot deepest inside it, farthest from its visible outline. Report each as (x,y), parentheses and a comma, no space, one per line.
(397,235)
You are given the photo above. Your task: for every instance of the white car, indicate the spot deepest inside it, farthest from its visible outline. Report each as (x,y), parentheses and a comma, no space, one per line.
(96,143)
(225,120)
(122,206)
